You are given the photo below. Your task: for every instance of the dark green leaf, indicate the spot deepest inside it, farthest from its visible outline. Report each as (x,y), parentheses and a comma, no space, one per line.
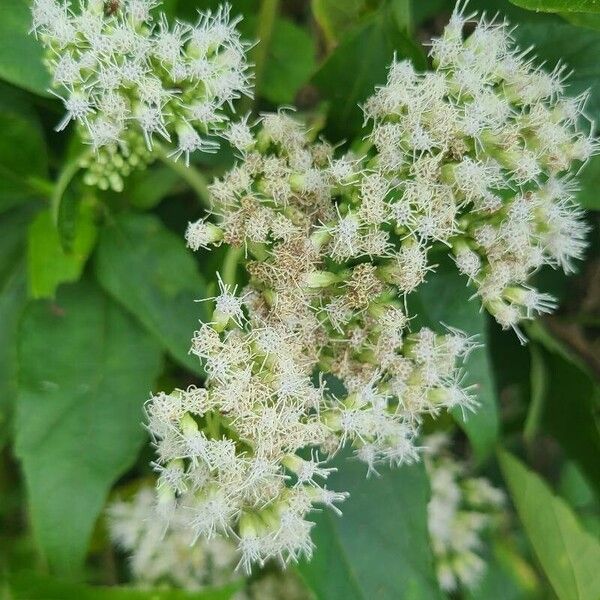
(335,17)
(568,554)
(560,5)
(444,298)
(589,183)
(31,586)
(402,11)
(290,62)
(507,576)
(351,72)
(421,11)
(85,369)
(23,156)
(379,548)
(20,53)
(145,189)
(148,269)
(592,21)
(13,295)
(48,264)
(556,41)
(571,405)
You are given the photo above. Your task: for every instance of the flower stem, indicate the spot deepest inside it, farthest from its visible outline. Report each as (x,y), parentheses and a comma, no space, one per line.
(70,169)
(230,264)
(191,176)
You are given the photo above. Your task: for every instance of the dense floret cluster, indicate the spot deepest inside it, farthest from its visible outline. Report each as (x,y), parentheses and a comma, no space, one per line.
(131,81)
(482,154)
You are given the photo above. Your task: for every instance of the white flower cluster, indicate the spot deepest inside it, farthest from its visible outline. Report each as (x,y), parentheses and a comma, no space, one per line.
(480,154)
(332,244)
(461,509)
(162,553)
(234,453)
(130,81)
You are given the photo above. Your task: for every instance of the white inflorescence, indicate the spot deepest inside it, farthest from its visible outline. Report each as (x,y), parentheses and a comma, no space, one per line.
(163,553)
(130,81)
(317,351)
(461,509)
(482,153)
(322,297)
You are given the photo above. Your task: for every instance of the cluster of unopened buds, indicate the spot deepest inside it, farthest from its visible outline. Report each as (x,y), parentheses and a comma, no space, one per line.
(133,83)
(317,352)
(462,508)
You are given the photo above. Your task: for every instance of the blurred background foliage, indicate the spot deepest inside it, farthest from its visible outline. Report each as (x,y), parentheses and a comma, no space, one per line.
(96,310)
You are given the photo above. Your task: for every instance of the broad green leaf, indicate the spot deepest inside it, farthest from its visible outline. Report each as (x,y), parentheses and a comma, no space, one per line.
(13,296)
(23,155)
(21,54)
(32,586)
(556,41)
(351,72)
(48,264)
(379,548)
(445,299)
(568,554)
(335,17)
(507,576)
(421,11)
(592,6)
(402,11)
(570,404)
(85,370)
(589,184)
(589,20)
(290,62)
(145,189)
(148,269)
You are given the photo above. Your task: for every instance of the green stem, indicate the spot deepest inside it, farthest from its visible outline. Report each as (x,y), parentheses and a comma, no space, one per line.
(264,32)
(230,264)
(40,186)
(65,177)
(191,176)
(538,394)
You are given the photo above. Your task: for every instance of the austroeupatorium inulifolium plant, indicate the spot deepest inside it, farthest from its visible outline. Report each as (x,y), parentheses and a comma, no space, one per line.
(131,82)
(316,352)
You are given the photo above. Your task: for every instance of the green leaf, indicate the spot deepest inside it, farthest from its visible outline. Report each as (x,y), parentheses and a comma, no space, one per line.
(568,555)
(23,155)
(351,72)
(85,370)
(589,20)
(290,62)
(402,11)
(507,576)
(379,548)
(589,183)
(148,269)
(20,53)
(556,41)
(13,296)
(48,264)
(571,404)
(32,586)
(145,189)
(445,299)
(335,17)
(592,6)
